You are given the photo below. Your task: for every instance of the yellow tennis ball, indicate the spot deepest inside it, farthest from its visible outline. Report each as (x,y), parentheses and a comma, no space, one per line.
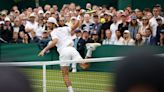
(102,20)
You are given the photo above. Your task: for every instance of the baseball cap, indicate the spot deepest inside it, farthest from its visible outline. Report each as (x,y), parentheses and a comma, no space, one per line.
(126,31)
(52,20)
(2,22)
(133,17)
(136,10)
(7,19)
(40,12)
(32,15)
(144,17)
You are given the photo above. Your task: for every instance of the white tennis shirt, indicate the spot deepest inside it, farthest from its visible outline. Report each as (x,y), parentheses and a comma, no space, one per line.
(63,34)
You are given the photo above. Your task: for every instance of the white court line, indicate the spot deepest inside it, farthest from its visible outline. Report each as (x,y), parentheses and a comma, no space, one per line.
(76,89)
(81,78)
(78,83)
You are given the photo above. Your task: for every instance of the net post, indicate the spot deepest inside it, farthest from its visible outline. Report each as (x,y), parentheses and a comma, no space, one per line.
(44,77)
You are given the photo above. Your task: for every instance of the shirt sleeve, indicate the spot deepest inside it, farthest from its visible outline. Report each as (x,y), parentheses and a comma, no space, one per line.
(28,26)
(54,35)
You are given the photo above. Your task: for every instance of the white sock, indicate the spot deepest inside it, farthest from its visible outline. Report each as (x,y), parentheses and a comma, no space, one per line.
(70,89)
(74,67)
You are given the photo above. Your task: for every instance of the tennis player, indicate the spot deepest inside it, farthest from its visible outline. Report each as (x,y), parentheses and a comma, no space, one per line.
(61,38)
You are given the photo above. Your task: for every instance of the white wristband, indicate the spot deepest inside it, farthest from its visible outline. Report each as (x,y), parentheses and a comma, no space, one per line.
(78,17)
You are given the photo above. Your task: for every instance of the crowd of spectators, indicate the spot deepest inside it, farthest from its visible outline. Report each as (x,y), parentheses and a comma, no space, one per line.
(104,25)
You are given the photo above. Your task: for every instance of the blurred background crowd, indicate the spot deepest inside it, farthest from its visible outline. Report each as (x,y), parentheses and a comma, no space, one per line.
(104,25)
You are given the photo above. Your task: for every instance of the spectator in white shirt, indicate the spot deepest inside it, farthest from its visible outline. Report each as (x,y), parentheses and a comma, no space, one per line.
(119,38)
(41,27)
(113,28)
(127,38)
(31,25)
(153,22)
(108,40)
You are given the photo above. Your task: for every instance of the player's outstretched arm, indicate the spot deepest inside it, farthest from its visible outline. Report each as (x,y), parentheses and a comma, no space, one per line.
(73,27)
(49,46)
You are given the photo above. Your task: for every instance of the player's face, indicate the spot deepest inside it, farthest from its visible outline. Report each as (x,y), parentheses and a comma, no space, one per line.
(50,25)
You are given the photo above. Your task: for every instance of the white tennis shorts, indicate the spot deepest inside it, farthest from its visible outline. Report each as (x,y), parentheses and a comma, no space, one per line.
(69,53)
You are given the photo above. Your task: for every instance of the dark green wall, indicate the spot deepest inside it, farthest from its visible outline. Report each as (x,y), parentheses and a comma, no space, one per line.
(7,4)
(120,4)
(141,4)
(27,53)
(82,3)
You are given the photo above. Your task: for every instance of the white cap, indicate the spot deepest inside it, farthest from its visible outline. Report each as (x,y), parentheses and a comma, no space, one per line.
(136,10)
(40,12)
(52,20)
(126,31)
(73,18)
(7,19)
(120,11)
(32,15)
(2,22)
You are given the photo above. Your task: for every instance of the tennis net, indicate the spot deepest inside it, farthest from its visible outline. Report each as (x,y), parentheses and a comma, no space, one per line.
(47,77)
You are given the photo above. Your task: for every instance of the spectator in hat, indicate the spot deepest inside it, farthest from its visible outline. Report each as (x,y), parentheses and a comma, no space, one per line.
(144,26)
(79,42)
(7,31)
(97,25)
(149,39)
(95,38)
(31,25)
(40,13)
(162,37)
(124,25)
(153,21)
(86,37)
(127,38)
(133,27)
(106,25)
(159,28)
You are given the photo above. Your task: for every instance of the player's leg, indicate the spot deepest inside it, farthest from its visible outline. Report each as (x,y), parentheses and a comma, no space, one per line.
(76,56)
(65,73)
(66,55)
